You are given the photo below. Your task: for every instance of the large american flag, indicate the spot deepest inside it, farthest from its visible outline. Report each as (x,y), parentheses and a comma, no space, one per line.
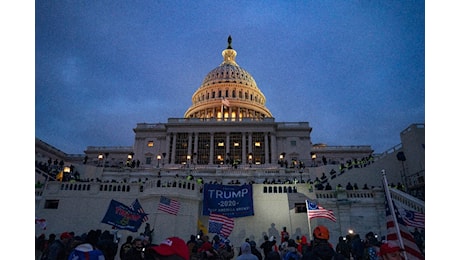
(220,224)
(168,205)
(408,241)
(316,211)
(136,206)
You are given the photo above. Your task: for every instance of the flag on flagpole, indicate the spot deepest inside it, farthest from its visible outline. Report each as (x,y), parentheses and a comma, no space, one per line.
(225,102)
(220,224)
(168,205)
(411,248)
(412,218)
(136,206)
(397,231)
(41,222)
(316,211)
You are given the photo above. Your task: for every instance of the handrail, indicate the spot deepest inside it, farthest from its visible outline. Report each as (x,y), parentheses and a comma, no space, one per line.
(407,200)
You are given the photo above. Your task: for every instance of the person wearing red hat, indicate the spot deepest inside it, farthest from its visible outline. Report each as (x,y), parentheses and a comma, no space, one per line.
(390,251)
(173,248)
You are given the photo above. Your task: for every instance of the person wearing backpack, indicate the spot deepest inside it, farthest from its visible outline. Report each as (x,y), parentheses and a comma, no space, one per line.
(320,246)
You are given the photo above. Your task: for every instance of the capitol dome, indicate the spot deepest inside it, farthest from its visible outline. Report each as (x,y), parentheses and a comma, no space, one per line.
(228,92)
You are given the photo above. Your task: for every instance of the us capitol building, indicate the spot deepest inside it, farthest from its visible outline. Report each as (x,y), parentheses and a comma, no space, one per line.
(228,136)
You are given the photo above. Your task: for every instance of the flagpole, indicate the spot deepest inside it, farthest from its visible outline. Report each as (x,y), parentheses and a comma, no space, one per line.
(392,210)
(222,110)
(309,225)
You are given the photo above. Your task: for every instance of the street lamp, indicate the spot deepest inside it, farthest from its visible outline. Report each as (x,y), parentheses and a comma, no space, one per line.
(250,160)
(188,160)
(100,157)
(313,157)
(158,159)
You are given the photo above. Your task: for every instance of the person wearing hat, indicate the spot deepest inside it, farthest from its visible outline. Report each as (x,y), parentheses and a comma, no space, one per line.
(60,248)
(88,249)
(320,246)
(173,248)
(390,251)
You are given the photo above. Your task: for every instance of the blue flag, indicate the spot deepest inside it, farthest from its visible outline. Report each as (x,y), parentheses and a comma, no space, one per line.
(123,217)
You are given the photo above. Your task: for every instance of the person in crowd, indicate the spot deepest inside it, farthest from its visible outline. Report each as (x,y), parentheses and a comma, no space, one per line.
(246,252)
(371,247)
(304,246)
(107,245)
(206,250)
(46,246)
(148,232)
(172,248)
(290,252)
(320,246)
(349,186)
(60,248)
(357,247)
(390,251)
(39,246)
(192,246)
(343,248)
(266,246)
(226,250)
(254,249)
(125,247)
(88,249)
(284,235)
(137,251)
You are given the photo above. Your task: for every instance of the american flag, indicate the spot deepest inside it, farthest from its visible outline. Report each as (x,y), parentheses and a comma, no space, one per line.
(136,206)
(225,102)
(408,241)
(316,211)
(220,224)
(412,218)
(169,205)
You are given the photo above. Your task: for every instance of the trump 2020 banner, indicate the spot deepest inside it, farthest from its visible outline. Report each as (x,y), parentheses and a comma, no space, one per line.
(123,217)
(229,200)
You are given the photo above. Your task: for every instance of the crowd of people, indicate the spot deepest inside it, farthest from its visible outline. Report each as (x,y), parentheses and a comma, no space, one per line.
(105,245)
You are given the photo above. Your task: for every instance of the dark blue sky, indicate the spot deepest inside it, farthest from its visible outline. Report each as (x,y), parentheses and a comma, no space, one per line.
(355,70)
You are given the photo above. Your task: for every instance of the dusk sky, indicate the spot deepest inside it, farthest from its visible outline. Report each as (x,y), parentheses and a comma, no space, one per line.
(355,70)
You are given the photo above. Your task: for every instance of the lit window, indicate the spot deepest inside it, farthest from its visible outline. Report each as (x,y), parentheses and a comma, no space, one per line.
(220,144)
(236,144)
(150,144)
(257,144)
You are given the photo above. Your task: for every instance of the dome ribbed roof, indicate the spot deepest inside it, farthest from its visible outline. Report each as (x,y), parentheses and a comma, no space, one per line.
(231,85)
(228,72)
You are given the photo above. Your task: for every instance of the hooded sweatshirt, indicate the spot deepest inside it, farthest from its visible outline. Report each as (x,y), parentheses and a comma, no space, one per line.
(86,251)
(246,252)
